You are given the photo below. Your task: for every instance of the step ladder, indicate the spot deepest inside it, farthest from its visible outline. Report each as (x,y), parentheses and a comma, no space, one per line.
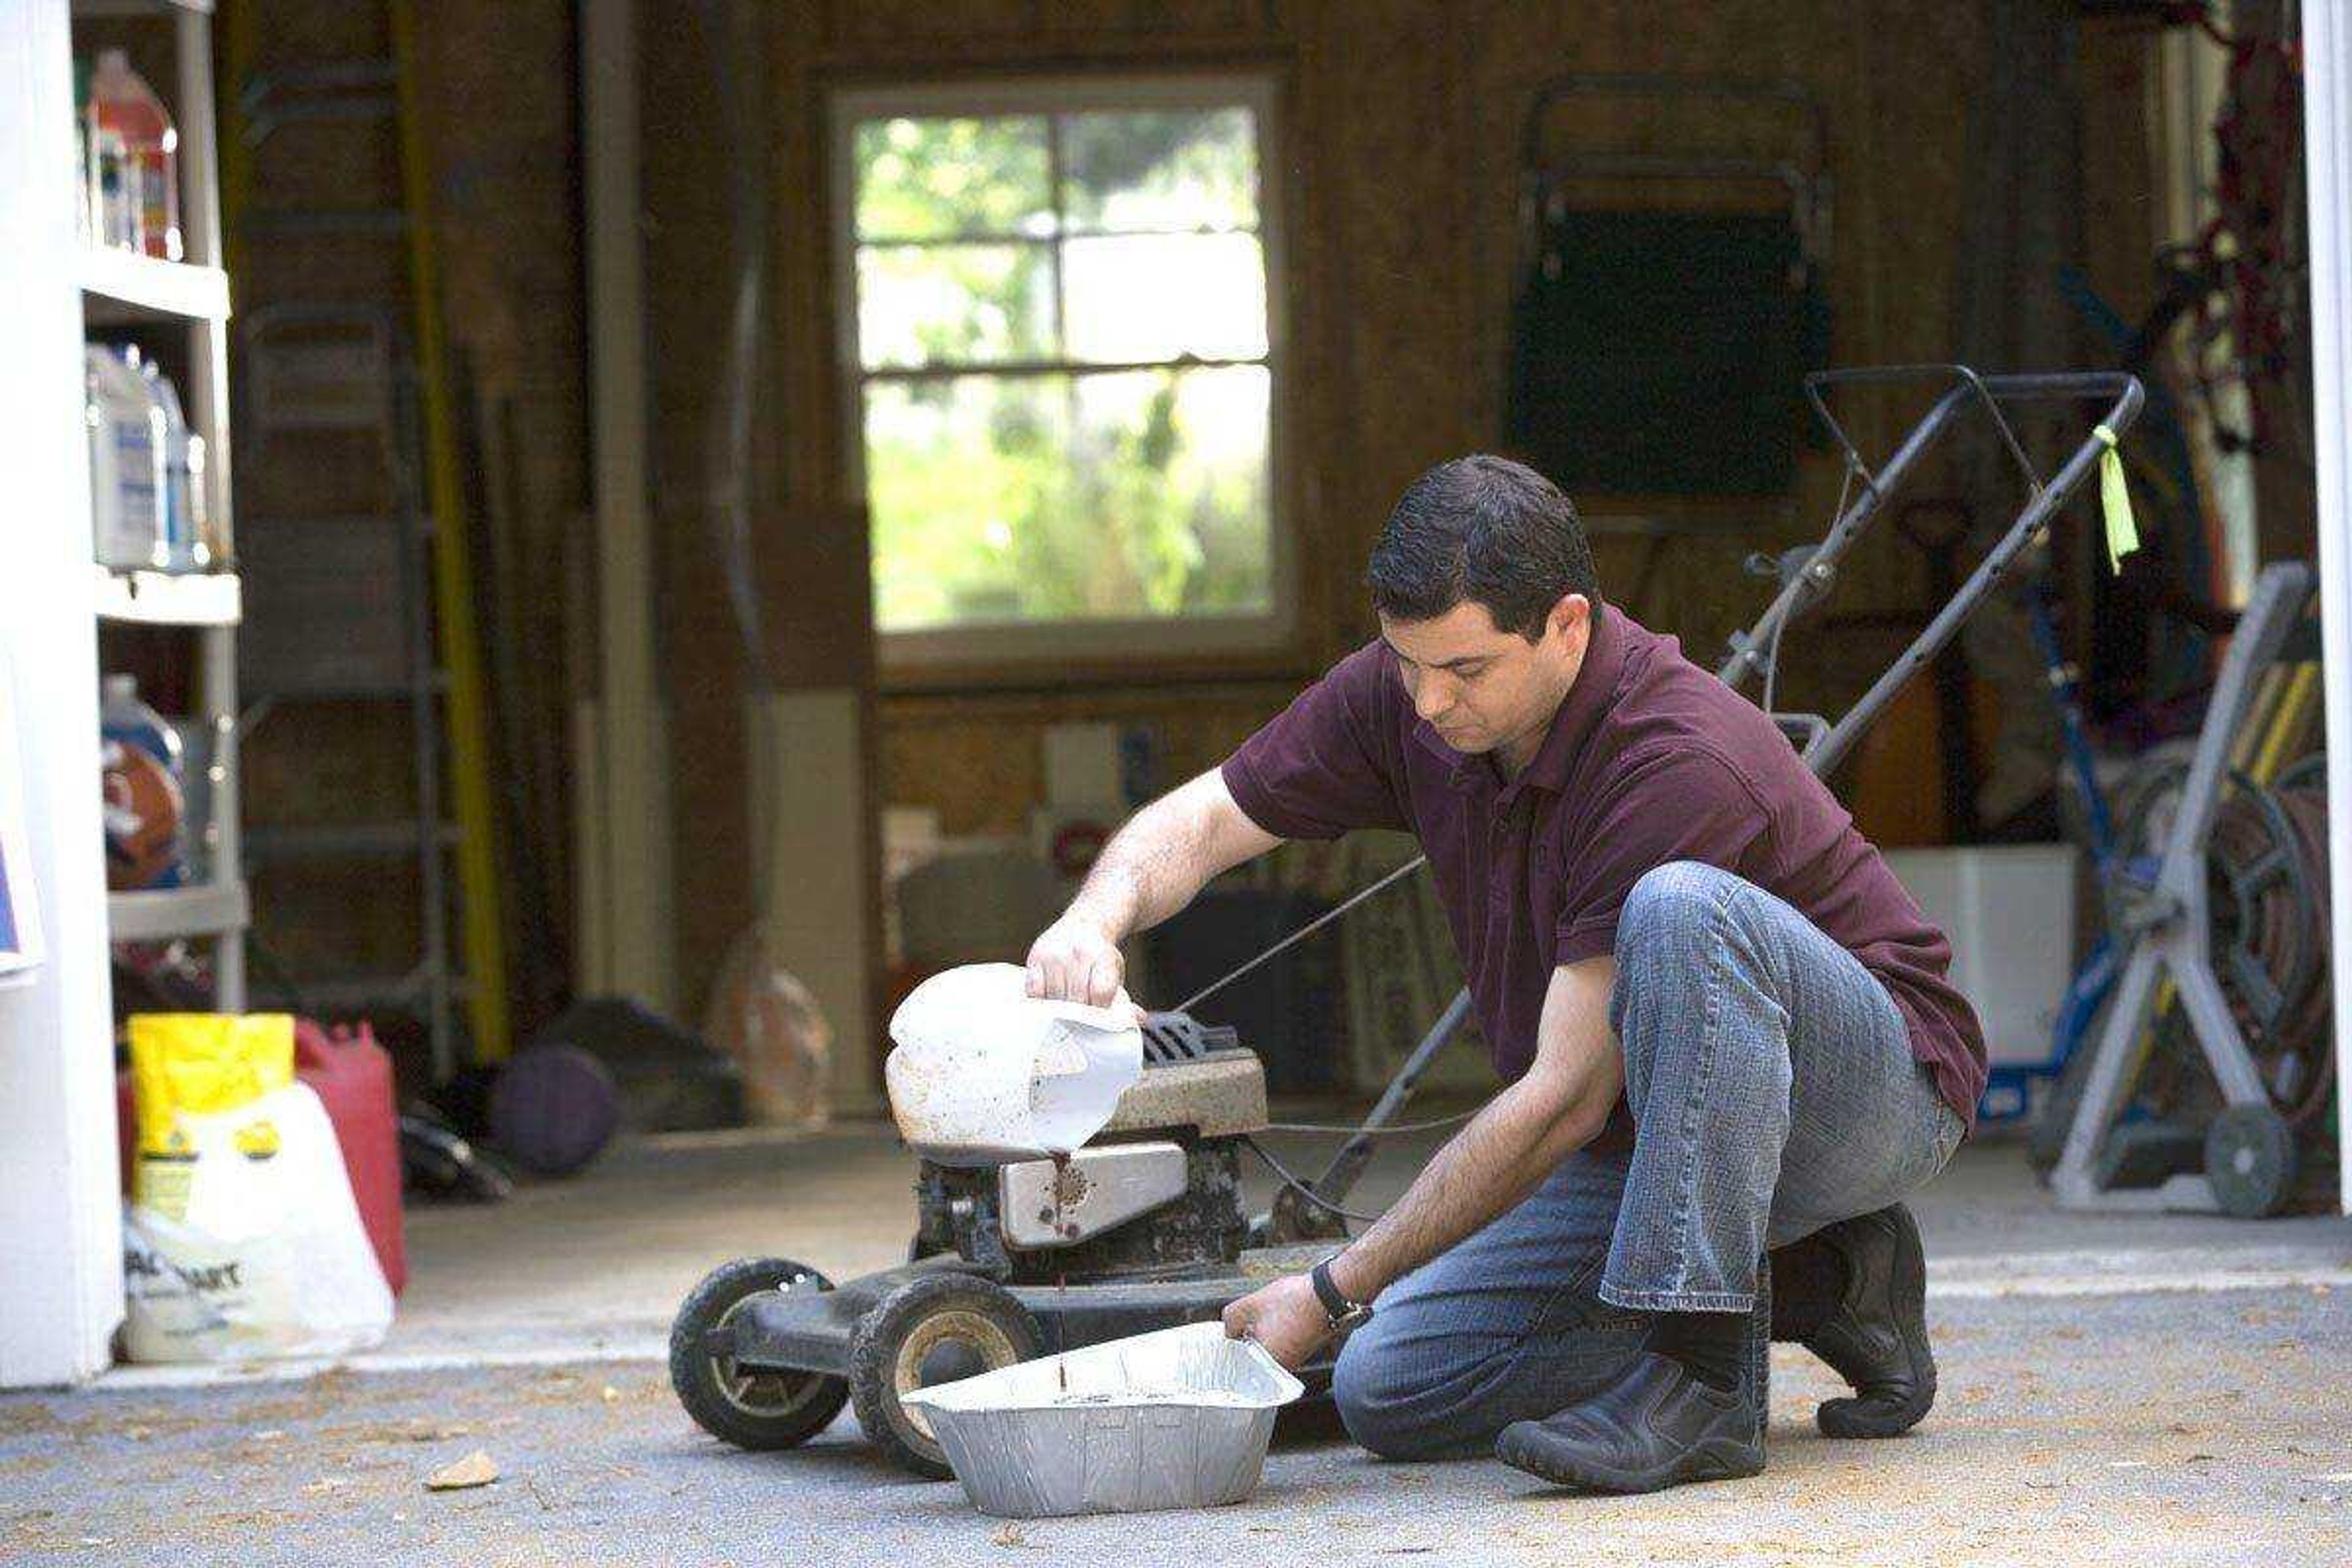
(366,603)
(322,378)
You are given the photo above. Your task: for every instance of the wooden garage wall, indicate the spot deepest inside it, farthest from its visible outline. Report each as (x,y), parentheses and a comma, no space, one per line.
(1402,123)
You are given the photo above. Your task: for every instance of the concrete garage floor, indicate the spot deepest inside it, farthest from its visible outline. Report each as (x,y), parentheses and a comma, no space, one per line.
(2144,1390)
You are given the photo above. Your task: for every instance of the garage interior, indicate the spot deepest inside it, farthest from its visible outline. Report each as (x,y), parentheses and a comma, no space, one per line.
(710,514)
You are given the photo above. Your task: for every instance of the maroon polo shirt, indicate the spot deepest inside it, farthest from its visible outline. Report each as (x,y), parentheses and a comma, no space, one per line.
(1650,759)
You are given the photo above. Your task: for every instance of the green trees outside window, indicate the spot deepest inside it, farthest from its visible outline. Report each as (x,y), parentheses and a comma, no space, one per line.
(1063,382)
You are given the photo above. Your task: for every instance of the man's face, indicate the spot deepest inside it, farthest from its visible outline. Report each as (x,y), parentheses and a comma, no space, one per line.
(1482,688)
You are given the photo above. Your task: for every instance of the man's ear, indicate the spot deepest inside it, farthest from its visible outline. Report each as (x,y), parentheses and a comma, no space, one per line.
(1571,617)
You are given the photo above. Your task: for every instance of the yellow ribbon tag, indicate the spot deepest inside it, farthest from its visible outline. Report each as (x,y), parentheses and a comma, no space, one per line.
(2115,502)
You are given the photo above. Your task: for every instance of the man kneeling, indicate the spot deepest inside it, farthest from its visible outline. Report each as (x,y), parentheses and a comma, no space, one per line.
(1723,1026)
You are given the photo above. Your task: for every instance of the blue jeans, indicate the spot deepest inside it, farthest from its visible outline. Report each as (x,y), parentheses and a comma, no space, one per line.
(1773,1092)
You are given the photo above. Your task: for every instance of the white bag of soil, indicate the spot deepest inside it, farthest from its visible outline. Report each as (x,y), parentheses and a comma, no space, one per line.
(245,1240)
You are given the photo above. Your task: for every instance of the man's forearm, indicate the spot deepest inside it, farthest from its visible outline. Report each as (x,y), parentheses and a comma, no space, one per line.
(1500,1157)
(1147,871)
(1137,881)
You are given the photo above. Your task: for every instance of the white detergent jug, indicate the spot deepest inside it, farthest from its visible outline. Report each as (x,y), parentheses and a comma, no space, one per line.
(983,1074)
(127,472)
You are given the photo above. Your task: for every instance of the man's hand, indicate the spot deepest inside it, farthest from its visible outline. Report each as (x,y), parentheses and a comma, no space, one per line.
(1149,871)
(1286,1317)
(1075,960)
(1557,1107)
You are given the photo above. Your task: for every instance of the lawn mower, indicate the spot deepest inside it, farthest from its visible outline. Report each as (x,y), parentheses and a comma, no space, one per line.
(1144,1227)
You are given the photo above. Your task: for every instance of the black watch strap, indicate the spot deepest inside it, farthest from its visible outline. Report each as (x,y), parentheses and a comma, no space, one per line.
(1336,1305)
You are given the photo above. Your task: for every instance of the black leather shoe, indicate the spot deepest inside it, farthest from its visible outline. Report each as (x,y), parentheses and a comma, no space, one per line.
(1658,1427)
(1854,1294)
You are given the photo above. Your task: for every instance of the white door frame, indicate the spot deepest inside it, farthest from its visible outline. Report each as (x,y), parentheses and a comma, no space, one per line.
(625,934)
(60,1209)
(2327,176)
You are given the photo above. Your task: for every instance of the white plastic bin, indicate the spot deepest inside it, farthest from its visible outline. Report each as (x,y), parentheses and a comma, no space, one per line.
(2009,910)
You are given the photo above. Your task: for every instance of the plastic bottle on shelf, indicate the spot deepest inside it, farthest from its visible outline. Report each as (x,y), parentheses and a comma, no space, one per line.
(106,205)
(151,835)
(128,481)
(185,547)
(120,101)
(83,223)
(113,199)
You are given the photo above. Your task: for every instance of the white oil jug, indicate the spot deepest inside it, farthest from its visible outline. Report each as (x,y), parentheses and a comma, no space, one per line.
(982,1074)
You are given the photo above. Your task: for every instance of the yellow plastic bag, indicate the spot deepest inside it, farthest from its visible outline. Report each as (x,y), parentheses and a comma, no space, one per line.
(200,1064)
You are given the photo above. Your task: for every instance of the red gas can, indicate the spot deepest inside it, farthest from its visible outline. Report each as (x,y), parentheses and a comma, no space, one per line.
(353,1077)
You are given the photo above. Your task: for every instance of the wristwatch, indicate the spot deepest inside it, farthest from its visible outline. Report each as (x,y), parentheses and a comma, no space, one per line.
(1344,1314)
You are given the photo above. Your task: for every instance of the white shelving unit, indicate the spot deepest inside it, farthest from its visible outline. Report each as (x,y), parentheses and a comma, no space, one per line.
(121,286)
(124,286)
(212,909)
(169,599)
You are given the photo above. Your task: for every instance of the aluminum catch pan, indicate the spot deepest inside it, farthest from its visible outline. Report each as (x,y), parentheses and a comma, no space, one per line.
(1180,1418)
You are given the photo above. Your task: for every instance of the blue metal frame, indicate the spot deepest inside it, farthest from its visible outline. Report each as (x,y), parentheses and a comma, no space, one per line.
(2008,1090)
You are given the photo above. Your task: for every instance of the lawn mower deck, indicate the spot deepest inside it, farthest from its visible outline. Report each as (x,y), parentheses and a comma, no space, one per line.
(812,1329)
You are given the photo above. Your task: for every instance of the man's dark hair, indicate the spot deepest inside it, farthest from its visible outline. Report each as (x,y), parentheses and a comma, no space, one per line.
(1487,530)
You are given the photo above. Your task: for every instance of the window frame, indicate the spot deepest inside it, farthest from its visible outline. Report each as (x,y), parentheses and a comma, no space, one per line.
(1025,647)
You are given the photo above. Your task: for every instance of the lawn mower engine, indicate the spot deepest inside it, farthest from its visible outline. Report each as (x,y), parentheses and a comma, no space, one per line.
(1156,1192)
(1143,1228)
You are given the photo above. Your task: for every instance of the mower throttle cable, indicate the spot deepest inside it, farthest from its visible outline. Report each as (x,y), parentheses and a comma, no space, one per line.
(1310,928)
(1304,1189)
(1336,1131)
